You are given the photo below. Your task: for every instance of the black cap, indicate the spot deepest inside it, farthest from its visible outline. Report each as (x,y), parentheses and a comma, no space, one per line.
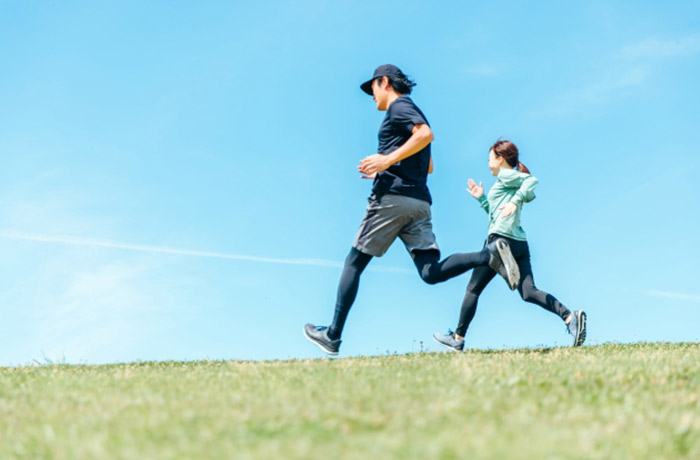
(386,70)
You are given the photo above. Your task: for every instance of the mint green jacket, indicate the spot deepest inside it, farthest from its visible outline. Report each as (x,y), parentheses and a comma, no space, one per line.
(511,186)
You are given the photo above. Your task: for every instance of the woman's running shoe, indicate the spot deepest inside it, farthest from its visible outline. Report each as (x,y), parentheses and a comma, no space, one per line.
(448,340)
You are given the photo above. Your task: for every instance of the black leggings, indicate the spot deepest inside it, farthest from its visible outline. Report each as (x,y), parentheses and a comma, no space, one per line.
(481,276)
(430,269)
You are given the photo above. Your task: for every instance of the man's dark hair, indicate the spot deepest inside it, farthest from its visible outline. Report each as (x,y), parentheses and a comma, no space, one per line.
(401,85)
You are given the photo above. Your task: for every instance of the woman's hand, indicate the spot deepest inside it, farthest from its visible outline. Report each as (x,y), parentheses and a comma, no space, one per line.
(475,190)
(508,209)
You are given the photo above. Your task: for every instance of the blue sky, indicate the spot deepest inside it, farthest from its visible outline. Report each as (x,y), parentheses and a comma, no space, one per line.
(179,179)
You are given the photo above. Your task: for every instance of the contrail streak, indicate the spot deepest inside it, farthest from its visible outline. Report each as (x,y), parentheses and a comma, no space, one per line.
(101,243)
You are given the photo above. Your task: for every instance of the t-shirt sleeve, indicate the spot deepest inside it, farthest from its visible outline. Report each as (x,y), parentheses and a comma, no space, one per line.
(404,116)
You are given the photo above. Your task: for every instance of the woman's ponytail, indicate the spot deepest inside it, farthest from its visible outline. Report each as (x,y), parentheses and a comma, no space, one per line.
(522,168)
(508,151)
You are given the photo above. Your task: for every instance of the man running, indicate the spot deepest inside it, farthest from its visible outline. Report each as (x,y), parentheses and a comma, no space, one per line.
(399,205)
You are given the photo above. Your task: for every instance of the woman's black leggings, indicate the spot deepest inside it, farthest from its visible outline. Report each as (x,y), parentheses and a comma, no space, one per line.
(481,276)
(430,269)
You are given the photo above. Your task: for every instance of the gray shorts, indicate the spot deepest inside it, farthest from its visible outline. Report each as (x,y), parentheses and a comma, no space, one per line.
(390,216)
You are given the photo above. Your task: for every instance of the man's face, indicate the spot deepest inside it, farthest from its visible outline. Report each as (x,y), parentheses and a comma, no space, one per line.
(381,93)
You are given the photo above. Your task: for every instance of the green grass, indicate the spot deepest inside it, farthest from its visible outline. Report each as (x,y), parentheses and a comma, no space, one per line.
(610,401)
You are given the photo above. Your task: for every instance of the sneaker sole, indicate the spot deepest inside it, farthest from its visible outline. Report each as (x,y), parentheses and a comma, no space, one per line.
(509,262)
(321,346)
(446,346)
(581,336)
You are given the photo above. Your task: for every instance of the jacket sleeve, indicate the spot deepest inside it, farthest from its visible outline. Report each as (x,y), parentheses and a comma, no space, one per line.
(484,202)
(526,191)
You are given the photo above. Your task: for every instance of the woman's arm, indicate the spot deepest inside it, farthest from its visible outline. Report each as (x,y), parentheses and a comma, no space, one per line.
(525,194)
(526,191)
(477,191)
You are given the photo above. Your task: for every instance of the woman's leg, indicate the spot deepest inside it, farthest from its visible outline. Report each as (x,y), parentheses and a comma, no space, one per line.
(527,288)
(481,276)
(355,264)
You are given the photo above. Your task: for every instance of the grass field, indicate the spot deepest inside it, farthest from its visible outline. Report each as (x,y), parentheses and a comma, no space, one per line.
(610,401)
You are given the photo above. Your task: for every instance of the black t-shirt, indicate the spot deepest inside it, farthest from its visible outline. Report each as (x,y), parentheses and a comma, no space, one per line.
(409,176)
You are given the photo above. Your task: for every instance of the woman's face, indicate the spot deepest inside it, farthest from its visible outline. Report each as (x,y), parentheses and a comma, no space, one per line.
(495,163)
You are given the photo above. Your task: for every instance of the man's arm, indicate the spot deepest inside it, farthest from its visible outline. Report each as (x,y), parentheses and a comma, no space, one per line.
(421,136)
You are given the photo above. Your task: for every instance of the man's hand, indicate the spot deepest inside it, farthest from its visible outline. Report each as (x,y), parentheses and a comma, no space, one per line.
(421,136)
(475,190)
(508,209)
(368,176)
(374,164)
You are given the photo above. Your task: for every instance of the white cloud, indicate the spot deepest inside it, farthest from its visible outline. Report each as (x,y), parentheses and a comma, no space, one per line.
(484,69)
(90,314)
(103,307)
(623,72)
(673,295)
(597,90)
(662,48)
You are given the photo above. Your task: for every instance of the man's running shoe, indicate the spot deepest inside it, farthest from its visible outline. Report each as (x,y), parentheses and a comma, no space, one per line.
(448,340)
(577,327)
(319,336)
(503,262)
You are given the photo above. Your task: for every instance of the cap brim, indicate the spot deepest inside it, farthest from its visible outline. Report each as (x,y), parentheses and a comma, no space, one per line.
(367,87)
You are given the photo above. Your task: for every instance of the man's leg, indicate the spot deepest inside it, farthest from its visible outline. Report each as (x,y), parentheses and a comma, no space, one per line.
(433,271)
(419,239)
(379,228)
(355,264)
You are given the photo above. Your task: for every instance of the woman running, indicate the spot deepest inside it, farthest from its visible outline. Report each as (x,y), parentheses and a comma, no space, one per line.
(514,186)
